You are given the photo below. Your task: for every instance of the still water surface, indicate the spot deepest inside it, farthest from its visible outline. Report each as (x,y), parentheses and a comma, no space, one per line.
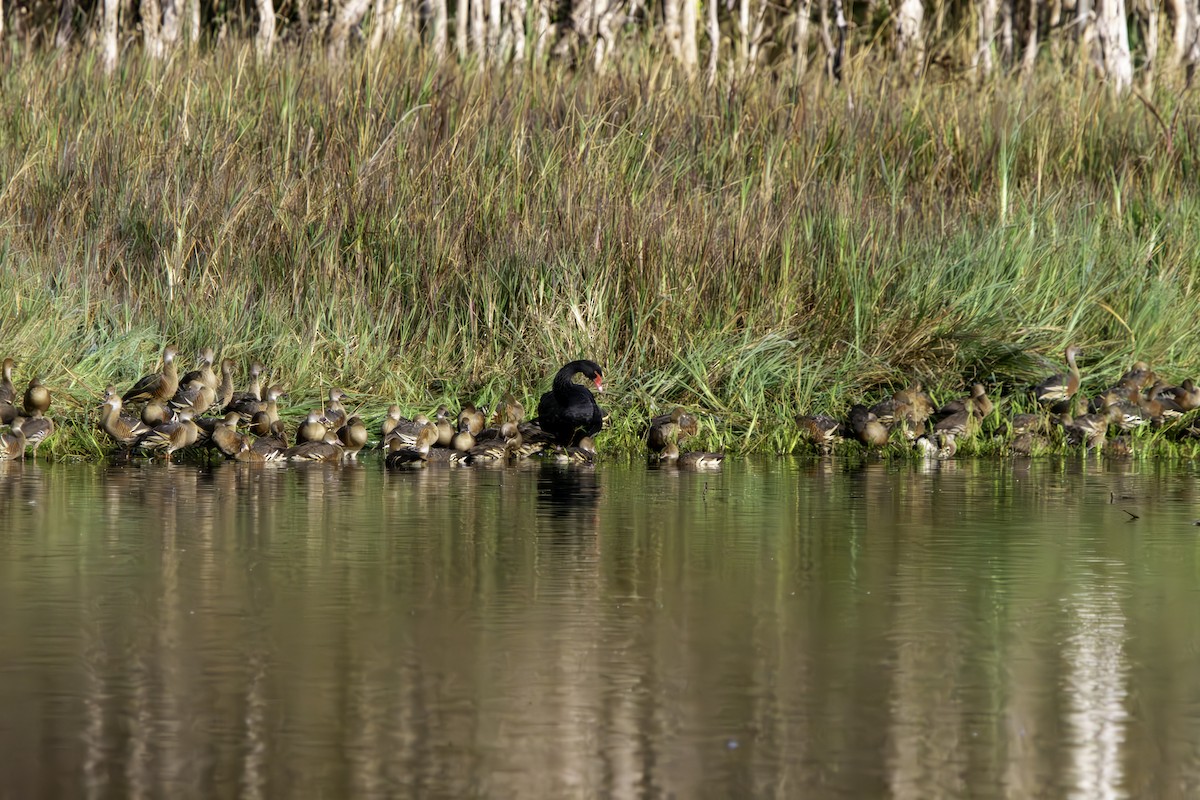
(777,629)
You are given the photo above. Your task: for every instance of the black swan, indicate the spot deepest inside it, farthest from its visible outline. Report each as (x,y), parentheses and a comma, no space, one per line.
(568,412)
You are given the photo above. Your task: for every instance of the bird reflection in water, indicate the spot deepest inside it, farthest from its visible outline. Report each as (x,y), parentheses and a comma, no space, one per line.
(568,500)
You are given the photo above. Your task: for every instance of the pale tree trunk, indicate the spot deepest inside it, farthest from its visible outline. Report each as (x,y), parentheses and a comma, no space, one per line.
(606,33)
(543,35)
(170,24)
(193,21)
(1006,32)
(439,20)
(1054,32)
(688,48)
(346,17)
(1193,54)
(910,39)
(803,24)
(758,34)
(517,10)
(265,41)
(743,38)
(1,17)
(1029,57)
(673,29)
(478,40)
(1147,14)
(152,28)
(381,22)
(66,24)
(495,18)
(1112,40)
(714,43)
(108,39)
(986,32)
(462,21)
(1178,9)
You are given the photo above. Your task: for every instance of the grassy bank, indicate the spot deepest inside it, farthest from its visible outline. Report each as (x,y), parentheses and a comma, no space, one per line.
(417,234)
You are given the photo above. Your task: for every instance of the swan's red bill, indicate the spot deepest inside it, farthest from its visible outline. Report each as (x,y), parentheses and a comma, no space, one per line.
(599,385)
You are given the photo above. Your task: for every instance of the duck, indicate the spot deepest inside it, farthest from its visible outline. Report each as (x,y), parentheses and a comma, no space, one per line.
(12,444)
(275,443)
(977,403)
(249,401)
(8,393)
(568,412)
(499,449)
(441,418)
(1118,447)
(943,449)
(1057,388)
(334,415)
(582,453)
(960,423)
(1187,395)
(311,430)
(121,429)
(227,438)
(464,440)
(405,431)
(1136,377)
(664,428)
(224,393)
(353,436)
(170,437)
(407,456)
(509,410)
(824,431)
(193,394)
(36,429)
(204,372)
(475,419)
(866,427)
(155,413)
(37,398)
(317,451)
(159,385)
(390,420)
(260,423)
(693,460)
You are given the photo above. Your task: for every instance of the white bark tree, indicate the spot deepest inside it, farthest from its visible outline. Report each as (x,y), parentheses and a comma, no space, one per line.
(345,18)
(910,37)
(981,61)
(108,36)
(803,26)
(1112,44)
(265,41)
(152,28)
(673,29)
(439,20)
(713,30)
(689,51)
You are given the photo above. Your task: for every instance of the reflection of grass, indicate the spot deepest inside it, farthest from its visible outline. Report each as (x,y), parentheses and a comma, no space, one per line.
(421,235)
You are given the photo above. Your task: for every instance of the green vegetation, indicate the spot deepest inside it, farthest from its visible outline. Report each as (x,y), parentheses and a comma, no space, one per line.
(417,233)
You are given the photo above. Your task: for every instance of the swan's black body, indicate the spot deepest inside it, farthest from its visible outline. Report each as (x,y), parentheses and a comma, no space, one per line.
(568,412)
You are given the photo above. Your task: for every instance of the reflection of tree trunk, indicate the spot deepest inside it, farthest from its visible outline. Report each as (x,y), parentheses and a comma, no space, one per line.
(1112,40)
(108,41)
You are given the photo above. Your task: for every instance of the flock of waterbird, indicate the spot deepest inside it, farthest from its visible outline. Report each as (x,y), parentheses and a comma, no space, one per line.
(1140,398)
(201,409)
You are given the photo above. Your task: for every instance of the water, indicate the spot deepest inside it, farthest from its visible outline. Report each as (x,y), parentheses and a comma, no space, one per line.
(790,629)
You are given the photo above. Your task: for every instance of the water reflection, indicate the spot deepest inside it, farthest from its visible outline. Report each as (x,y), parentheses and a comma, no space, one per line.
(810,628)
